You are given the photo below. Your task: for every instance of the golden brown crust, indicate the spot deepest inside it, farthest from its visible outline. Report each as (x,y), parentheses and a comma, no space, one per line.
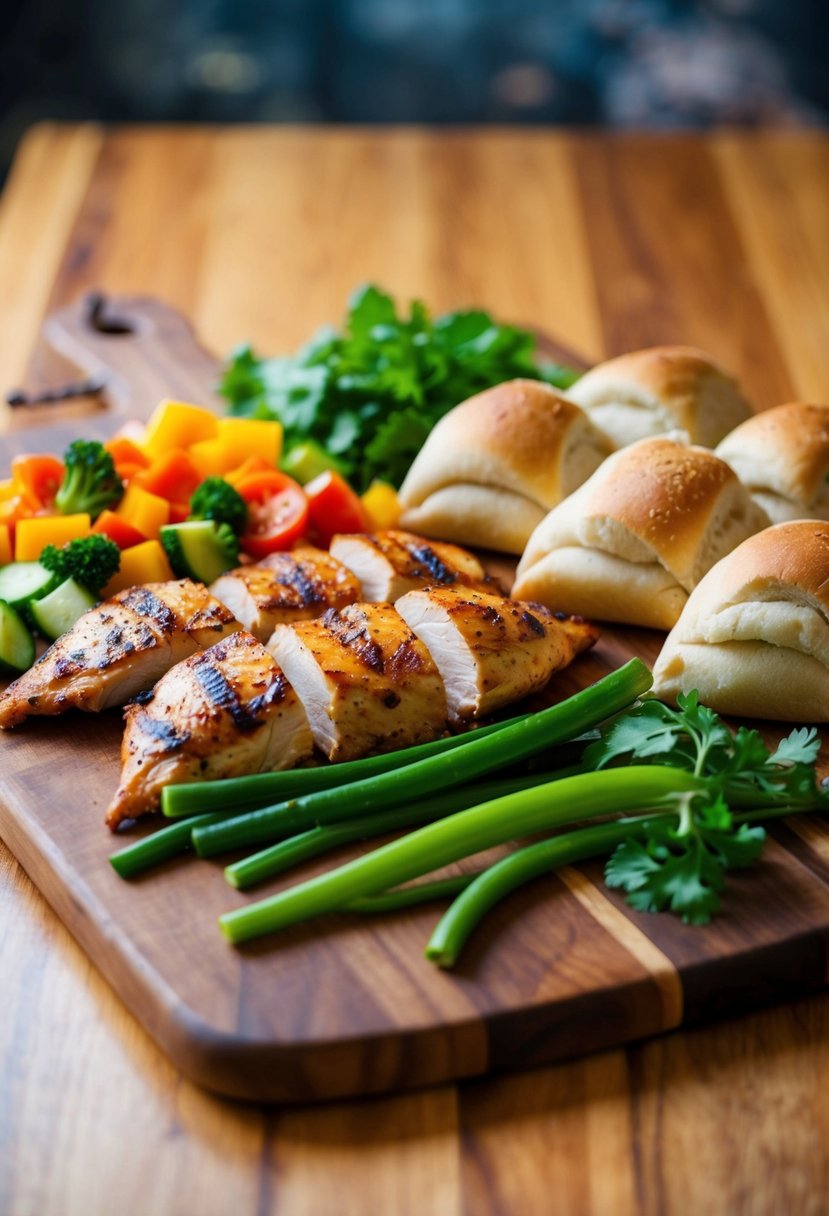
(788,558)
(664,493)
(516,436)
(657,500)
(753,638)
(784,450)
(659,389)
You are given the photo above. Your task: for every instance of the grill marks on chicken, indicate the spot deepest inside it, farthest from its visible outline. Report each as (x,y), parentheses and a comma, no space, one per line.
(491,651)
(388,564)
(224,712)
(118,649)
(355,681)
(286,587)
(366,682)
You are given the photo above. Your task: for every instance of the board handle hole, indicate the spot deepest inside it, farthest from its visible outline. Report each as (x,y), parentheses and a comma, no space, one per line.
(103,322)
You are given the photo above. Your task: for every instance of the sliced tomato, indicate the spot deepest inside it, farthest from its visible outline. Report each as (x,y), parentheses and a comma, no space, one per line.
(277,512)
(37,479)
(334,507)
(118,529)
(179,512)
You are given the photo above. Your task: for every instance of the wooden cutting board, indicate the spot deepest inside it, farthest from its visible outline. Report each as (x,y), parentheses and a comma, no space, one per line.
(345,1005)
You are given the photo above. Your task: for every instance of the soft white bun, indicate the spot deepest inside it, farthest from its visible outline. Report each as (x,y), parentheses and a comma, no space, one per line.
(638,536)
(782,455)
(663,388)
(753,638)
(494,465)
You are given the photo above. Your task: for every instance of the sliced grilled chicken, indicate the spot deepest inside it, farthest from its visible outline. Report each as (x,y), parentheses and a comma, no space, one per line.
(367,684)
(224,712)
(388,564)
(286,587)
(489,650)
(117,649)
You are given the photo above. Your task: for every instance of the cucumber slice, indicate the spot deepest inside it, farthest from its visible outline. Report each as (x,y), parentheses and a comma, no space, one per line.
(17,646)
(59,610)
(200,549)
(24,581)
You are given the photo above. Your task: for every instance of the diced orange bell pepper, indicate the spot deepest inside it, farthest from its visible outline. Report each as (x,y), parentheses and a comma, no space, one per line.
(253,464)
(12,503)
(175,424)
(33,535)
(145,563)
(5,545)
(243,437)
(37,479)
(125,451)
(147,512)
(382,504)
(128,458)
(173,476)
(118,530)
(209,457)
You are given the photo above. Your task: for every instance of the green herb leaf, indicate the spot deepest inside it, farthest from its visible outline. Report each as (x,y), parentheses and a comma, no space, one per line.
(371,392)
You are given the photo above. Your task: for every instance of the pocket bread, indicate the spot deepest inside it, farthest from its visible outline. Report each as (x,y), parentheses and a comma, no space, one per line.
(492,467)
(753,638)
(782,455)
(663,388)
(636,538)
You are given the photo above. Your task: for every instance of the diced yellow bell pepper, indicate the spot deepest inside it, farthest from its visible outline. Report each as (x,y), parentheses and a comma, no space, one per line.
(175,424)
(382,504)
(5,545)
(145,511)
(210,457)
(33,535)
(243,437)
(144,563)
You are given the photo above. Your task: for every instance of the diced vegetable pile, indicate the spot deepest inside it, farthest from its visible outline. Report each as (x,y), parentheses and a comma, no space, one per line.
(189,495)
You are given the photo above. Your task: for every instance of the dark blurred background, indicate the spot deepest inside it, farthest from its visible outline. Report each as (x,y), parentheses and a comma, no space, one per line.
(620,63)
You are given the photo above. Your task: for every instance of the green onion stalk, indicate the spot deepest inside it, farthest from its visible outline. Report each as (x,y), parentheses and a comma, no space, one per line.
(477,758)
(542,808)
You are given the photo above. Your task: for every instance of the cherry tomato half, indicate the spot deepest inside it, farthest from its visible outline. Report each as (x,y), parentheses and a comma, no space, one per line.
(334,507)
(277,512)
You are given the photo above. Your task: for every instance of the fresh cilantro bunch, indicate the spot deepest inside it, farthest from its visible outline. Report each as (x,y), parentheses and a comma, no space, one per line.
(679,861)
(371,392)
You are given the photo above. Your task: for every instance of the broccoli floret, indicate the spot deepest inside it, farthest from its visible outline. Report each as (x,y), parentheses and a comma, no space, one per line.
(216,499)
(90,561)
(90,482)
(228,540)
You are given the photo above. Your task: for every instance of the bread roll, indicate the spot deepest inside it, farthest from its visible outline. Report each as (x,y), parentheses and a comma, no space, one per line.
(492,467)
(753,638)
(638,536)
(664,388)
(782,455)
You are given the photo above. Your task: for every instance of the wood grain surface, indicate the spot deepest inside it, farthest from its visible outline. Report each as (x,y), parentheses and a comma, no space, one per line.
(612,244)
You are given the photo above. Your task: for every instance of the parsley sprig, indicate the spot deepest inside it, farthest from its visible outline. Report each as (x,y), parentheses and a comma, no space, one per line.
(370,392)
(681,863)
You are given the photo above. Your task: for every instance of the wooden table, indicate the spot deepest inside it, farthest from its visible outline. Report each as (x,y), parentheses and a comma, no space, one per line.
(611,244)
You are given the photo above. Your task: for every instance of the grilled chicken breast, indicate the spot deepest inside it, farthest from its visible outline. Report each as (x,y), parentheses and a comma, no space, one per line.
(117,649)
(388,564)
(285,587)
(367,684)
(491,651)
(224,712)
